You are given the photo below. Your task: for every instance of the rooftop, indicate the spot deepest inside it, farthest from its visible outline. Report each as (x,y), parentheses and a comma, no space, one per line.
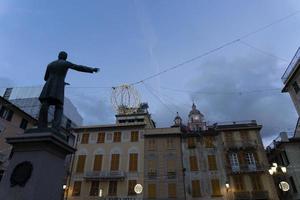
(292,67)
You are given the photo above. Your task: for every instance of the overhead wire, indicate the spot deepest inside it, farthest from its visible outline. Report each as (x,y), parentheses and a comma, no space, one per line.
(150,90)
(262,51)
(226,44)
(218,48)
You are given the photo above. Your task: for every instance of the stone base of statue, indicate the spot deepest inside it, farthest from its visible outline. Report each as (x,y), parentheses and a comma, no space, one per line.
(37,166)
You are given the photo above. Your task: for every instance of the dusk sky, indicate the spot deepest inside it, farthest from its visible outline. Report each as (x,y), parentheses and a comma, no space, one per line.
(130,40)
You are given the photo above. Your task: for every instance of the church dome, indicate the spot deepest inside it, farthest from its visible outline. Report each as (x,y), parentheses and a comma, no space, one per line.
(195,111)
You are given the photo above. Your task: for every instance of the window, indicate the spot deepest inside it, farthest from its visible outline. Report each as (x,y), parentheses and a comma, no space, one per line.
(152,168)
(193,163)
(234,162)
(171,164)
(151,191)
(256,183)
(208,141)
(98,162)
(196,190)
(76,188)
(296,87)
(172,190)
(134,136)
(101,137)
(133,162)
(24,124)
(114,165)
(80,163)
(250,161)
(94,191)
(6,114)
(117,136)
(85,138)
(191,142)
(151,144)
(131,185)
(216,190)
(112,188)
(170,143)
(238,183)
(212,163)
(293,184)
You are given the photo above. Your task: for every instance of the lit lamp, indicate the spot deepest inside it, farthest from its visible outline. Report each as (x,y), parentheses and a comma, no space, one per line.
(227,186)
(284,186)
(138,188)
(64,187)
(283,169)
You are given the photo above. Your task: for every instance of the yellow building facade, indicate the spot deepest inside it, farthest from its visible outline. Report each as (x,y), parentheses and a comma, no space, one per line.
(109,161)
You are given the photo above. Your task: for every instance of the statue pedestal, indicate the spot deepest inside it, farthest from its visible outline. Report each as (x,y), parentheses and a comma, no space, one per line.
(43,174)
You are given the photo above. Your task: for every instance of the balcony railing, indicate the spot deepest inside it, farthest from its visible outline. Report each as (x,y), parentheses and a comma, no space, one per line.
(105,175)
(171,175)
(242,195)
(255,168)
(260,195)
(152,174)
(240,144)
(291,67)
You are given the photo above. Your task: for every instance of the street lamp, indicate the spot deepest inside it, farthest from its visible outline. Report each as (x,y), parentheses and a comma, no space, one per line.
(138,188)
(276,170)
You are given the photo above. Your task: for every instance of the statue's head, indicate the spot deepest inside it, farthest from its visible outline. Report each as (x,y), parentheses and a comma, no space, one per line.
(62,55)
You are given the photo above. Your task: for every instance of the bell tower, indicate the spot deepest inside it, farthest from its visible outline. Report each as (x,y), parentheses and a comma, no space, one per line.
(196,120)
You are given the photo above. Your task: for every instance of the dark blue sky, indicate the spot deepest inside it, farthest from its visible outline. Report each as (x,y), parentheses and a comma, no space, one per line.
(132,39)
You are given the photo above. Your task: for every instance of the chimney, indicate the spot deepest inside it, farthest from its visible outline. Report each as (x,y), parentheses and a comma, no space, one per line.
(284,137)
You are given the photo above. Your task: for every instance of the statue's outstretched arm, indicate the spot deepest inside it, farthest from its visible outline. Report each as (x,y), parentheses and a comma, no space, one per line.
(82,68)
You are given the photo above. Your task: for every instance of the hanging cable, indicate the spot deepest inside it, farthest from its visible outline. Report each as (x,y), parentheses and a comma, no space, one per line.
(148,88)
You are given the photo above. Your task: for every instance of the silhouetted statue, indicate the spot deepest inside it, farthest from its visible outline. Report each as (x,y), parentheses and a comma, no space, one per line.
(54,89)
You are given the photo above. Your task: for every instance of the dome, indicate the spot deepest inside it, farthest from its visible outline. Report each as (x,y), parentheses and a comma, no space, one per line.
(195,111)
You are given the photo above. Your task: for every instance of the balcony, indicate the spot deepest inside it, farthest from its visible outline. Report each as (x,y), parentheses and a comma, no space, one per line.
(105,175)
(240,144)
(171,175)
(258,168)
(244,195)
(152,174)
(260,195)
(291,68)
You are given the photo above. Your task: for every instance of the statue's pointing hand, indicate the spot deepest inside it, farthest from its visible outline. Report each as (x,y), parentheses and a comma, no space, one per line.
(96,70)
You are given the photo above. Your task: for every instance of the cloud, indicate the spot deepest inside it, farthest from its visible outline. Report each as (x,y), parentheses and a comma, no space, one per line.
(93,108)
(220,77)
(270,108)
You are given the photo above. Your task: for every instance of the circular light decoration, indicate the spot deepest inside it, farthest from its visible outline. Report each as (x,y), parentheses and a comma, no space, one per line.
(125,99)
(284,186)
(138,188)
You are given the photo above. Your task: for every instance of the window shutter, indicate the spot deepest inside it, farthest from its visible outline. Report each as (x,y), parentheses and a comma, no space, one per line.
(115,162)
(80,163)
(98,162)
(172,190)
(216,187)
(133,162)
(196,190)
(76,188)
(152,191)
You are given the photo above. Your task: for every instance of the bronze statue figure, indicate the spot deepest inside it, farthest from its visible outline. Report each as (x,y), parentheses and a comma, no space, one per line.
(54,89)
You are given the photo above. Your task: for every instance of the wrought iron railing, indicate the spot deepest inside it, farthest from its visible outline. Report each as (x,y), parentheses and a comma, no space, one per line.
(291,67)
(105,175)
